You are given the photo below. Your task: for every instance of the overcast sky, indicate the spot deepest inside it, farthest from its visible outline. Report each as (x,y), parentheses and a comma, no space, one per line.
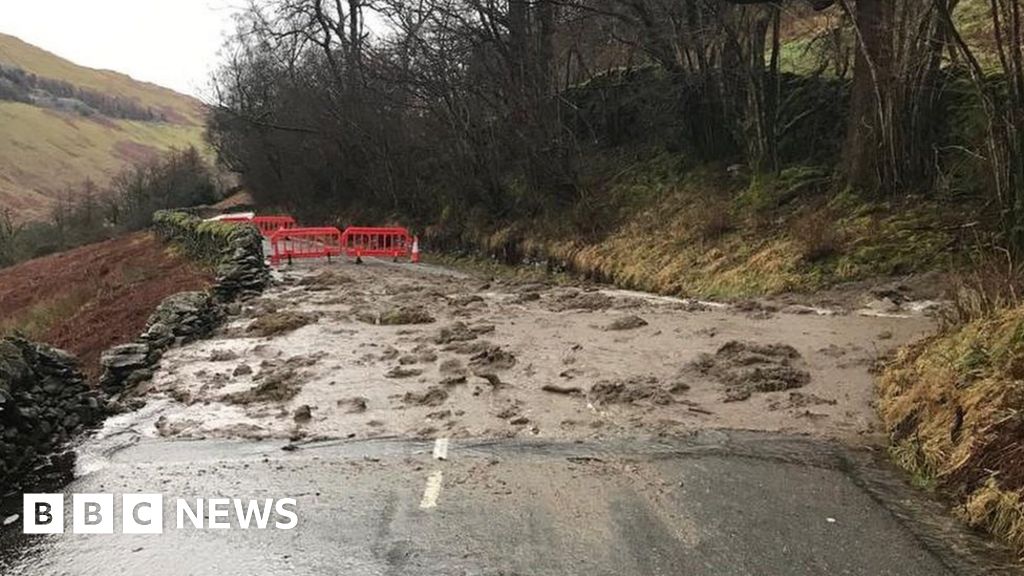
(173,43)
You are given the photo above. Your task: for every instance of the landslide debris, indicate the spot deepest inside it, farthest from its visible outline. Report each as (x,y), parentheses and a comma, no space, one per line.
(630,322)
(631,390)
(274,384)
(396,316)
(744,368)
(433,396)
(457,332)
(492,358)
(576,300)
(280,322)
(326,279)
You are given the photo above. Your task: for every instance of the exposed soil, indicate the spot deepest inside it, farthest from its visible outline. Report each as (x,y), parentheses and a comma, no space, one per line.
(93,297)
(424,351)
(744,368)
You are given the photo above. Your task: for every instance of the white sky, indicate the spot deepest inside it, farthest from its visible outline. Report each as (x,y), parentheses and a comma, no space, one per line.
(173,43)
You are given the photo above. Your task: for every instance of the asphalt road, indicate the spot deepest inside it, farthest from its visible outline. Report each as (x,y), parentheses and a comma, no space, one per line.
(716,503)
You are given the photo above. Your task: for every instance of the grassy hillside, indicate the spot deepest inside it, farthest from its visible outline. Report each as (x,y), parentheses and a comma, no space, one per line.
(44,151)
(663,226)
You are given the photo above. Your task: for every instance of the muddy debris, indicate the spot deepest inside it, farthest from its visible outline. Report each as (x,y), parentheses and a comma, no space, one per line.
(453,381)
(645,389)
(464,300)
(565,390)
(526,297)
(389,353)
(492,358)
(457,332)
(421,357)
(280,323)
(242,370)
(803,400)
(326,279)
(223,355)
(492,379)
(744,368)
(399,316)
(355,405)
(452,366)
(303,414)
(469,348)
(433,396)
(305,360)
(586,301)
(631,322)
(276,384)
(403,372)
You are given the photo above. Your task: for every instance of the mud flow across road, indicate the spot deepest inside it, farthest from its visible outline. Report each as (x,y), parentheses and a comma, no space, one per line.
(352,351)
(432,422)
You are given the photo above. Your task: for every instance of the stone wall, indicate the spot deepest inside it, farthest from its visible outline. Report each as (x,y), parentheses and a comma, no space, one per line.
(44,401)
(237,252)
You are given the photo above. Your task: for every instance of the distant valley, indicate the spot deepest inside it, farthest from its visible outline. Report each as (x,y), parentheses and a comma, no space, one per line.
(61,124)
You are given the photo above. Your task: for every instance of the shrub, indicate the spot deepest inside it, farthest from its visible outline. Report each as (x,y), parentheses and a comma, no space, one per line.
(817,234)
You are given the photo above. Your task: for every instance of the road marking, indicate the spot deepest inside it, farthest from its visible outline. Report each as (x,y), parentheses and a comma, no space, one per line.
(432,491)
(441,449)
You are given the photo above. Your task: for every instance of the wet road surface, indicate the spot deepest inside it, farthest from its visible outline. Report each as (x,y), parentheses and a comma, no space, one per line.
(713,503)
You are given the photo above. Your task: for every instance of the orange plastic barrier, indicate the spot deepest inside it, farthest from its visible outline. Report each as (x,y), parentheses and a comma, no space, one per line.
(291,243)
(270,224)
(394,242)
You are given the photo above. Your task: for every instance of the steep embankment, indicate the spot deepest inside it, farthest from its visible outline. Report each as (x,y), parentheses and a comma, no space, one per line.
(659,225)
(953,406)
(90,298)
(63,123)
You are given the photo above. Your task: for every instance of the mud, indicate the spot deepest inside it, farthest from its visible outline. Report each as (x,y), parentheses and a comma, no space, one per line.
(631,322)
(631,391)
(275,323)
(744,368)
(424,351)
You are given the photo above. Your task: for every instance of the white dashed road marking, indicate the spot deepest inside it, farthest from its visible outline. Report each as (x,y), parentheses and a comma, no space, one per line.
(432,491)
(441,449)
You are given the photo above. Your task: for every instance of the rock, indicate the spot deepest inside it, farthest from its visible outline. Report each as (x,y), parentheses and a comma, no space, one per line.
(44,400)
(303,413)
(125,356)
(242,370)
(630,322)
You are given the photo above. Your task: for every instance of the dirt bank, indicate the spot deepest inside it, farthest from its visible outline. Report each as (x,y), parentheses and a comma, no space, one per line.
(383,349)
(952,404)
(91,298)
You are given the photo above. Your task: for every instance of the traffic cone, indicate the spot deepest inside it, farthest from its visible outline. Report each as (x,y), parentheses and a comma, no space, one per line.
(415,250)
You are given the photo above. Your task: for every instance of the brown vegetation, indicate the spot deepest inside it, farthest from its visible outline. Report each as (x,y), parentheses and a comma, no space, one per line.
(93,297)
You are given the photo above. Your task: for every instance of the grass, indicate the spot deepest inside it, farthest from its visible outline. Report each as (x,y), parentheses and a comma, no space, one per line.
(674,229)
(953,404)
(36,321)
(43,153)
(42,63)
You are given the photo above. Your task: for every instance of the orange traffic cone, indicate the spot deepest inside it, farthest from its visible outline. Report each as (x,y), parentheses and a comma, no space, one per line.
(415,250)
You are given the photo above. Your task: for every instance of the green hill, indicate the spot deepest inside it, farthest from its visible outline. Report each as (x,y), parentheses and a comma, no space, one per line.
(61,124)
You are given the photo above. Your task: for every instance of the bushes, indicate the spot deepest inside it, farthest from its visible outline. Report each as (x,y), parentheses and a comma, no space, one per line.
(953,406)
(178,179)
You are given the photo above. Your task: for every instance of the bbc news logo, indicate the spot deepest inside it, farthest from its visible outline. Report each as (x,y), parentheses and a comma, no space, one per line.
(144,513)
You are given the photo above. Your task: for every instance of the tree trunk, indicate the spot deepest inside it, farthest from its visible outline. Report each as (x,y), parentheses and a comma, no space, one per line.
(865,142)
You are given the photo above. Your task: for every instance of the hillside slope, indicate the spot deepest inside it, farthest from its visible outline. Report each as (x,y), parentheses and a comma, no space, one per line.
(61,124)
